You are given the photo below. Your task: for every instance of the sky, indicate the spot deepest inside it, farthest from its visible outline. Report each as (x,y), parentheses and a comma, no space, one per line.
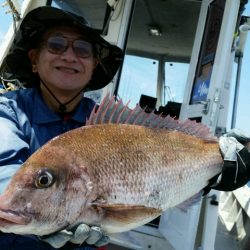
(243,111)
(5,20)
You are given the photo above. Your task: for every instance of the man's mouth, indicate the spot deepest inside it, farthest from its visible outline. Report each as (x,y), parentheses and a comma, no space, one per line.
(68,70)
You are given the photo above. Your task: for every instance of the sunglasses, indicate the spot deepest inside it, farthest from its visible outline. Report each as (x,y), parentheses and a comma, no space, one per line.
(58,45)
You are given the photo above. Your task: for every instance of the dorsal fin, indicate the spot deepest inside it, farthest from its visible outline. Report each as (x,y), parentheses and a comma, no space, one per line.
(111,111)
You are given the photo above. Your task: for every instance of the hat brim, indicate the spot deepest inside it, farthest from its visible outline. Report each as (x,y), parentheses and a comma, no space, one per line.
(37,21)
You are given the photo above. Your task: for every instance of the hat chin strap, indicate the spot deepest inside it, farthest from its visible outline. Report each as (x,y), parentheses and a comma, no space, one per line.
(62,106)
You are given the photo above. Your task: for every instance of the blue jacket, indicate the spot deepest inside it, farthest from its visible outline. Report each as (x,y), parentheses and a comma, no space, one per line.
(26,123)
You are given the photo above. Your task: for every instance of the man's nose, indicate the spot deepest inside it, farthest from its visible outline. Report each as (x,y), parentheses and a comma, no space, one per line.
(69,54)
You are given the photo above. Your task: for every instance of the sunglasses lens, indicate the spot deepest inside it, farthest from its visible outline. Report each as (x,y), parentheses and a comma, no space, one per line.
(82,48)
(57,45)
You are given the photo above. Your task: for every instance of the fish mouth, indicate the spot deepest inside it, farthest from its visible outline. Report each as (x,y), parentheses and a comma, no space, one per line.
(10,217)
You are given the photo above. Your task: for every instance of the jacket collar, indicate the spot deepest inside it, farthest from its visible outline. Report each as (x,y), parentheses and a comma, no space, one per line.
(43,114)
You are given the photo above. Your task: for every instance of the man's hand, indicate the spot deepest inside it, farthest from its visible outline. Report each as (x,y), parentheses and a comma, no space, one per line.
(78,235)
(236,168)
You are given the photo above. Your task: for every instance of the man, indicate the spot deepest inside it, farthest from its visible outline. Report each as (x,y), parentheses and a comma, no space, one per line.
(59,56)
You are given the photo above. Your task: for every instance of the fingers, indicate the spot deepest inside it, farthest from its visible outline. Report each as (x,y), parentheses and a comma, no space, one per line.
(236,166)
(81,234)
(91,235)
(229,147)
(94,235)
(59,239)
(103,241)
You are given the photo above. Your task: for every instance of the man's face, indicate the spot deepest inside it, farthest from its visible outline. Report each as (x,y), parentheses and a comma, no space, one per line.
(63,70)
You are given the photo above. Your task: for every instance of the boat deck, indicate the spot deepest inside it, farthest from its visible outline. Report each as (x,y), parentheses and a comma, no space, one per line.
(224,241)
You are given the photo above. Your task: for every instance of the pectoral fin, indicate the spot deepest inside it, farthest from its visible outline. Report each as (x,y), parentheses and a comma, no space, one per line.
(119,217)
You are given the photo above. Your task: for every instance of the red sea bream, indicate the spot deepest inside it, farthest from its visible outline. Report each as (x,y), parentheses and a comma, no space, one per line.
(121,170)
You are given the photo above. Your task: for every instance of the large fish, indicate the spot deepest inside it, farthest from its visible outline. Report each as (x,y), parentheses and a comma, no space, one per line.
(119,172)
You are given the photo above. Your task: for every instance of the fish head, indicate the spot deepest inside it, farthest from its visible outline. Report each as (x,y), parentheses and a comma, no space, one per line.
(48,193)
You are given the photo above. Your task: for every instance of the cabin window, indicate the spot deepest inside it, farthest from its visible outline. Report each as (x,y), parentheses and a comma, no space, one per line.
(138,77)
(175,81)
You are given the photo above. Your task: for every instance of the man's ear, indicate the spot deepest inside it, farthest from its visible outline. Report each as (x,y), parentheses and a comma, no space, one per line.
(33,59)
(96,62)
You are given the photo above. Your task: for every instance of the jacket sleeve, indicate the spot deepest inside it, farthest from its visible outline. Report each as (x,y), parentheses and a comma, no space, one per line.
(13,147)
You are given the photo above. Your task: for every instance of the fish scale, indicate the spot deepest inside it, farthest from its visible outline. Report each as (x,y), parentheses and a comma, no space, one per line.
(171,156)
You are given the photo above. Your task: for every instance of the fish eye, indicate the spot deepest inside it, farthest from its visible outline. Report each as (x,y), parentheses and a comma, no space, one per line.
(44,179)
